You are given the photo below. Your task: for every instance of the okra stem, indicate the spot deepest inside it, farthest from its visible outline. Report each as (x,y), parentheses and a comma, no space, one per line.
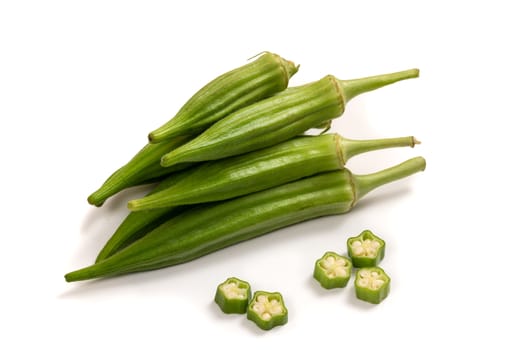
(350,148)
(366,183)
(352,88)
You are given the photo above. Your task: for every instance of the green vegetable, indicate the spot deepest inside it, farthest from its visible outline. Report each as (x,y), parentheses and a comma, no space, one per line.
(278,118)
(267,310)
(333,270)
(143,168)
(372,284)
(136,225)
(227,93)
(366,250)
(217,225)
(233,296)
(258,170)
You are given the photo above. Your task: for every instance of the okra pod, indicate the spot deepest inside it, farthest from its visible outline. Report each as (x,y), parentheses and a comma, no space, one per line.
(137,224)
(263,77)
(217,225)
(258,170)
(278,118)
(143,168)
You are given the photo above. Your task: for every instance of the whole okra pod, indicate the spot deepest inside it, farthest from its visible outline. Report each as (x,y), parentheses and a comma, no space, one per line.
(217,225)
(252,82)
(232,177)
(278,118)
(258,170)
(263,77)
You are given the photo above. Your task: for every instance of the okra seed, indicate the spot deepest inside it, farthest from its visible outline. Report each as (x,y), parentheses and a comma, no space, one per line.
(370,279)
(359,251)
(233,291)
(363,282)
(335,267)
(267,308)
(367,248)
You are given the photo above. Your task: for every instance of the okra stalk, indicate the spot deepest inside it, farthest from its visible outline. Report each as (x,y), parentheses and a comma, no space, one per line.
(258,170)
(214,226)
(143,168)
(278,118)
(263,77)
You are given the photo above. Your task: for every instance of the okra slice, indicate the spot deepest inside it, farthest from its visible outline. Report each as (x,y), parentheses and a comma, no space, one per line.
(366,250)
(372,284)
(333,270)
(233,295)
(267,310)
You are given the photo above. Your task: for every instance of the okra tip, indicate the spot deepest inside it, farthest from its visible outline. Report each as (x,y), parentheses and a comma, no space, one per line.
(96,199)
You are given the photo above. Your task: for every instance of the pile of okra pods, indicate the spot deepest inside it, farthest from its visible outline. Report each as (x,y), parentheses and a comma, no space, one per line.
(237,155)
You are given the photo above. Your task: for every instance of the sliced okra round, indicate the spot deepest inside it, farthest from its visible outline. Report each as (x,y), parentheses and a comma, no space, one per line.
(233,296)
(366,250)
(333,270)
(372,284)
(267,310)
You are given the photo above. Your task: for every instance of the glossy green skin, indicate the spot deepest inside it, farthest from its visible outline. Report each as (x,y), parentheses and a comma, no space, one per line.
(363,261)
(137,224)
(143,168)
(263,77)
(279,117)
(328,282)
(211,227)
(369,295)
(229,305)
(276,320)
(290,160)
(251,172)
(265,123)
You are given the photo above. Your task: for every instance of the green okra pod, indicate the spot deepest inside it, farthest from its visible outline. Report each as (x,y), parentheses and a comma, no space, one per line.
(217,225)
(278,118)
(136,224)
(143,168)
(263,77)
(268,167)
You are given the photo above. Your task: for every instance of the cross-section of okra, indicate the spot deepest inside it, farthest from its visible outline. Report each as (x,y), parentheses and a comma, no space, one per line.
(267,310)
(332,270)
(372,284)
(233,296)
(366,250)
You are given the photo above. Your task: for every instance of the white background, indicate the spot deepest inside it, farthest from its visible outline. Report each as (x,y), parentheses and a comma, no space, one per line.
(83,82)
